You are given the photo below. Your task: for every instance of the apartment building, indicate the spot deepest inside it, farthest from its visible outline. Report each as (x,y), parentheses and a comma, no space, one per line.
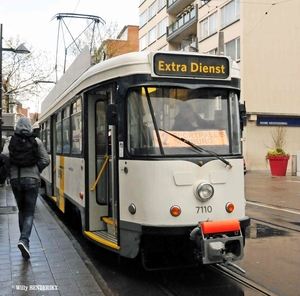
(263,37)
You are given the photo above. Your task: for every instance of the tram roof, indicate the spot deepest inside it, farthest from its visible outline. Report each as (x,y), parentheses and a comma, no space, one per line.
(82,74)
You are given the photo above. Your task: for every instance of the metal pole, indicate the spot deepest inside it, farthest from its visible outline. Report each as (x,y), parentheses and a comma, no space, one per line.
(20,49)
(1,83)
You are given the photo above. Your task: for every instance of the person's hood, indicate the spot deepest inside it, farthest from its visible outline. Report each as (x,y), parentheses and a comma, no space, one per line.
(23,125)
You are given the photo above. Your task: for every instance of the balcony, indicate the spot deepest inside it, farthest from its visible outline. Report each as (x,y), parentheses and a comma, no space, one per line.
(184,25)
(173,6)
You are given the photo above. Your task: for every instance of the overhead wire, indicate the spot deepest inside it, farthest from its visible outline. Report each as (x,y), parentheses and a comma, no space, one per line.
(265,14)
(212,8)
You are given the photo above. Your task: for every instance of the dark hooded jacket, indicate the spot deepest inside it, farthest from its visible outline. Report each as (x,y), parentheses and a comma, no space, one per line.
(23,126)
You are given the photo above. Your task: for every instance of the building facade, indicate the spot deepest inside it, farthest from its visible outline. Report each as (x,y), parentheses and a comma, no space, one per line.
(126,41)
(262,36)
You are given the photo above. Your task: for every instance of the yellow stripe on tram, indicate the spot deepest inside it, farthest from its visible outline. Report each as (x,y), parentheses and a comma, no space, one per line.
(54,198)
(62,183)
(101,240)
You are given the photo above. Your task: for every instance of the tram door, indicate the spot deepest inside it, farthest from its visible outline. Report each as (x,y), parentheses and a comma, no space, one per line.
(105,203)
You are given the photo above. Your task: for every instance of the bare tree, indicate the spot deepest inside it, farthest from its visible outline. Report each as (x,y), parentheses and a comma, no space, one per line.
(100,36)
(114,42)
(108,32)
(20,73)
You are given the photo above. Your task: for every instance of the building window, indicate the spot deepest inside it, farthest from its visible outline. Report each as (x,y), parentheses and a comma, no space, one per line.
(162,27)
(152,10)
(161,4)
(203,2)
(143,18)
(232,49)
(230,13)
(152,35)
(209,26)
(143,42)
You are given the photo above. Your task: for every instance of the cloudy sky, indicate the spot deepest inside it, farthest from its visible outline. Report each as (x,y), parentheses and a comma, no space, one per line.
(31,19)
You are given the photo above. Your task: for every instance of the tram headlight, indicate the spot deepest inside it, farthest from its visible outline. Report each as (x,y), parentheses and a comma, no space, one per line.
(204,191)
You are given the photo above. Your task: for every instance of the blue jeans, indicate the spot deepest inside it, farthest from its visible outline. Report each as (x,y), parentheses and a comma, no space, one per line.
(25,193)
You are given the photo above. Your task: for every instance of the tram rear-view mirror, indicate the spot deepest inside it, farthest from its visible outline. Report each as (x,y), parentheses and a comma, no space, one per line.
(243,114)
(111,114)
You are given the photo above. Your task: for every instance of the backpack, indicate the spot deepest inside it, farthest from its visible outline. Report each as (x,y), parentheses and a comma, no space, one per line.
(4,168)
(23,150)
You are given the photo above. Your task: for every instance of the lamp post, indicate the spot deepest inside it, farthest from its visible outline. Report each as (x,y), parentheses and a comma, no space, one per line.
(20,49)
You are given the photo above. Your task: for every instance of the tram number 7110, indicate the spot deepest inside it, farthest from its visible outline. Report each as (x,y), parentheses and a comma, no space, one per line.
(204,209)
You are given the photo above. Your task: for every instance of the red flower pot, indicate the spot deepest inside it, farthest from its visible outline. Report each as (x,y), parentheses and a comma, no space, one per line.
(278,164)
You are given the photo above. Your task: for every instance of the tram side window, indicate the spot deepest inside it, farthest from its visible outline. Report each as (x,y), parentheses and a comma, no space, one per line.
(47,135)
(58,134)
(76,127)
(101,128)
(43,133)
(66,130)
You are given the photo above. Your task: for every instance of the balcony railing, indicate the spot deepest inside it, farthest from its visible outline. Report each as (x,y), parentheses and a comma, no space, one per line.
(180,22)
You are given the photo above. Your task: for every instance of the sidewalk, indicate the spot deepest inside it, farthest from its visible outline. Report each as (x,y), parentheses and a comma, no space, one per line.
(55,267)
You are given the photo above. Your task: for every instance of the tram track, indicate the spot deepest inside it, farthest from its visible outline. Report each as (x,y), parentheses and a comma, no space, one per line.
(221,268)
(167,289)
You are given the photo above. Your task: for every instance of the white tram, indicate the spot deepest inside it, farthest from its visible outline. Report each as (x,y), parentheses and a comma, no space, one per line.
(146,148)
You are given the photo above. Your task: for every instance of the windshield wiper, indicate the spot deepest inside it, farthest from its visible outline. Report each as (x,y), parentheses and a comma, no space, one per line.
(198,148)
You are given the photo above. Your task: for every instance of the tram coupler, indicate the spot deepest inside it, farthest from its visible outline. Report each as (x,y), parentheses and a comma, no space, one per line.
(220,241)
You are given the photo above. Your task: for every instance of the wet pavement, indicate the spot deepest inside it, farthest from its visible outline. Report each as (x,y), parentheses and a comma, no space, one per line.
(271,253)
(283,191)
(273,239)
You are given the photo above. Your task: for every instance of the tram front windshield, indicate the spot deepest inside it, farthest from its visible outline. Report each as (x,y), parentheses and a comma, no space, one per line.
(157,118)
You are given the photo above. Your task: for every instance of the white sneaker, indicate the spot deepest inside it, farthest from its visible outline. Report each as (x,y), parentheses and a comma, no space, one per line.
(24,250)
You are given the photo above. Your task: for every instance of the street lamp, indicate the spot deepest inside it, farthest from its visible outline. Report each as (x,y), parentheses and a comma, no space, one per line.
(20,49)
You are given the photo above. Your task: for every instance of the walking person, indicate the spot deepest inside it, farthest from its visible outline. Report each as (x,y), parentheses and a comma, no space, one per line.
(28,158)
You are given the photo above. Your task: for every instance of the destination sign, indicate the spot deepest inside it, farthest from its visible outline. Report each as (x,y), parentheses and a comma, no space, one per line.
(198,66)
(199,138)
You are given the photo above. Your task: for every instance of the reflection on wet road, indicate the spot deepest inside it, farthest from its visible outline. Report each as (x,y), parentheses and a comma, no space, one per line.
(263,231)
(272,249)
